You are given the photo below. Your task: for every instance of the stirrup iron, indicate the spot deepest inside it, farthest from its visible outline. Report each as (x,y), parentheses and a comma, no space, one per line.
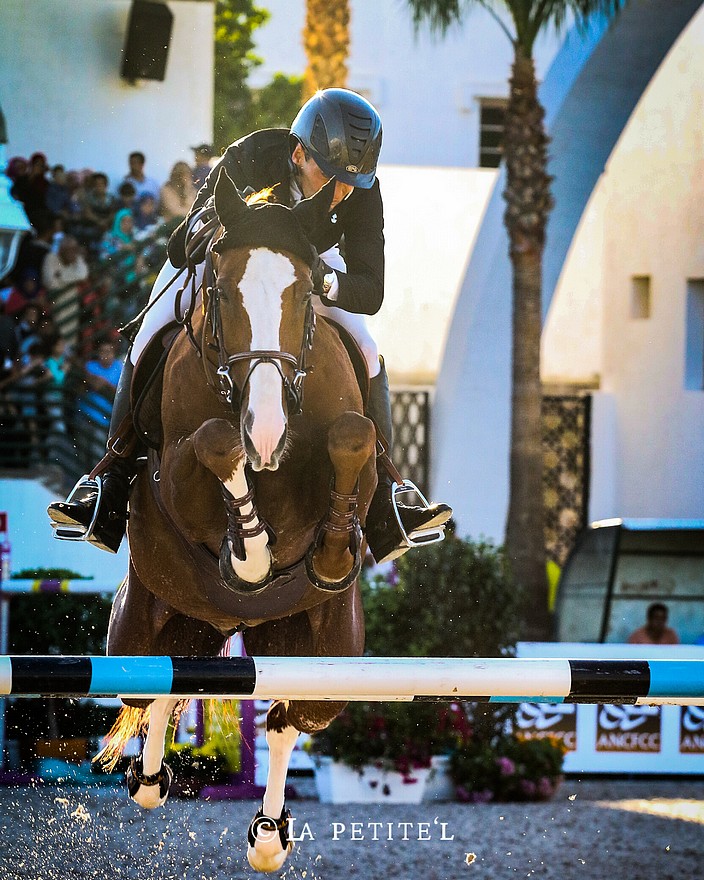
(419,537)
(75,531)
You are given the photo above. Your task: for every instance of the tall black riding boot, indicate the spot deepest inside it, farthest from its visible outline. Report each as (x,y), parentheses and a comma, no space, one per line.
(384,536)
(76,515)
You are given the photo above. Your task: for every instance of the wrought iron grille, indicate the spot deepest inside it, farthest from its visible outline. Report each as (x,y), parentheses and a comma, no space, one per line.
(410,411)
(566,428)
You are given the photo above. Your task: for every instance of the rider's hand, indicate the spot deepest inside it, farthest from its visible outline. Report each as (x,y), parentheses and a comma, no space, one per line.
(318,270)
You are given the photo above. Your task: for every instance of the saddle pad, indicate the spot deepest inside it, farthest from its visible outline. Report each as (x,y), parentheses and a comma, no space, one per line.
(147,386)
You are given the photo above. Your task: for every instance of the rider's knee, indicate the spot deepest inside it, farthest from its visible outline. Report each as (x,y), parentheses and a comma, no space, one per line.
(370,353)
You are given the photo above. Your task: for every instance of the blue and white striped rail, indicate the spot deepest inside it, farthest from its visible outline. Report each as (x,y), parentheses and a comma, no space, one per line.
(358,678)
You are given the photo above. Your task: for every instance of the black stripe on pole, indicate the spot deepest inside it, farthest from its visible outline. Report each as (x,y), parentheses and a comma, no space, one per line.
(51,676)
(214,675)
(592,679)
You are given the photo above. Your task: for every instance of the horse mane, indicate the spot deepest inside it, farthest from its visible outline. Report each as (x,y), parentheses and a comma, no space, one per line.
(264,196)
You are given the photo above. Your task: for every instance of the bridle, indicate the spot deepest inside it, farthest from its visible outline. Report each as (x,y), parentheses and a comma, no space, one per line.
(299,366)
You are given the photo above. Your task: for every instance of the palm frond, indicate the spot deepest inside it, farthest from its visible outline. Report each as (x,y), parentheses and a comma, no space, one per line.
(440,15)
(530,17)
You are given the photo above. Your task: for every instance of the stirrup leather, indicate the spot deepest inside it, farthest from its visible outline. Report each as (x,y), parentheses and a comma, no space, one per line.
(419,537)
(76,531)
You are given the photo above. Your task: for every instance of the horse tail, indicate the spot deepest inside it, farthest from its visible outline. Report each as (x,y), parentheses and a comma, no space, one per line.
(131,721)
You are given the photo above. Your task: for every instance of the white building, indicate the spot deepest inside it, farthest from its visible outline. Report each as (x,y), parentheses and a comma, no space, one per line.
(62,92)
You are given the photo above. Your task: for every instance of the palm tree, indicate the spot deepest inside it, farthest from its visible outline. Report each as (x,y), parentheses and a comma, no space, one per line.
(528,204)
(326,39)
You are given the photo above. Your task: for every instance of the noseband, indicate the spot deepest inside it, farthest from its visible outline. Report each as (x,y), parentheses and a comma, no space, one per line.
(293,386)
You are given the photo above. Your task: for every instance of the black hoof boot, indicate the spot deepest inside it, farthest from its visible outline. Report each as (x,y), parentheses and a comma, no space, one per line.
(263,831)
(148,791)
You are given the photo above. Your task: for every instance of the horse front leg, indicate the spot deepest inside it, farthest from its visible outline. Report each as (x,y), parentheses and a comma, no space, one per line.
(335,558)
(268,838)
(149,777)
(245,548)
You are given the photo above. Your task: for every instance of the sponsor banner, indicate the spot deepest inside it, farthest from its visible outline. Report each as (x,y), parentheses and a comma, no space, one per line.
(692,730)
(628,729)
(541,720)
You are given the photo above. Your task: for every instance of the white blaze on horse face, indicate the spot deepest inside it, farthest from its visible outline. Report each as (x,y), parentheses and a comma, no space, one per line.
(265,278)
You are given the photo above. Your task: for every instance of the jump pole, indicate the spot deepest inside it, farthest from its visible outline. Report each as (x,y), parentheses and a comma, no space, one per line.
(494,680)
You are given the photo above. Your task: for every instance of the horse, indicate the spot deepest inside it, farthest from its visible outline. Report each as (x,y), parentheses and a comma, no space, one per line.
(249,516)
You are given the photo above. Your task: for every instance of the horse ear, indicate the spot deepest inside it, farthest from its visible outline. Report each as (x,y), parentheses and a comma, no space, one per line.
(229,204)
(312,213)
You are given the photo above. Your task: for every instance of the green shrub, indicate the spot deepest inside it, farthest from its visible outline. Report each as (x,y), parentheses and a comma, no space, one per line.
(396,736)
(507,769)
(452,599)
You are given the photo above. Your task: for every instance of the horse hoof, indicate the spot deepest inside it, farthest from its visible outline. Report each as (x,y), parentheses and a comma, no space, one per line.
(268,842)
(148,791)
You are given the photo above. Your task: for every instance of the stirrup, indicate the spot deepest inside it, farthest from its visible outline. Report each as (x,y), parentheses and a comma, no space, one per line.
(76,531)
(419,537)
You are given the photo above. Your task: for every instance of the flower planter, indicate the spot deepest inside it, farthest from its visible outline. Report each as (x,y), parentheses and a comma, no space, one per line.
(339,784)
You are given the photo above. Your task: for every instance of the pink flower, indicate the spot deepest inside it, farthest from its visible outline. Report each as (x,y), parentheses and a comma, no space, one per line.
(506,766)
(462,794)
(528,787)
(545,787)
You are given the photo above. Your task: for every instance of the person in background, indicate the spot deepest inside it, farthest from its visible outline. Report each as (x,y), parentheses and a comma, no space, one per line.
(139,180)
(56,367)
(62,275)
(146,216)
(16,168)
(58,197)
(36,246)
(178,193)
(656,631)
(9,347)
(38,186)
(27,328)
(126,197)
(120,246)
(27,290)
(203,155)
(102,376)
(97,210)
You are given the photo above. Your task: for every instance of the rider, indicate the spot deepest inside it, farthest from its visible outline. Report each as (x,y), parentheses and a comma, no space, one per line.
(336,133)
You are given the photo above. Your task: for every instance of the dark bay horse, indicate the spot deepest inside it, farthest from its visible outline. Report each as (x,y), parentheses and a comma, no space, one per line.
(248,518)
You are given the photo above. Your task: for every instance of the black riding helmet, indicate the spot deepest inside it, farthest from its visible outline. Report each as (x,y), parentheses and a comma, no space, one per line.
(342,132)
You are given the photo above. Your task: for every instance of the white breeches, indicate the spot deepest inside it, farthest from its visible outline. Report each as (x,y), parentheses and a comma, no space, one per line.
(162,311)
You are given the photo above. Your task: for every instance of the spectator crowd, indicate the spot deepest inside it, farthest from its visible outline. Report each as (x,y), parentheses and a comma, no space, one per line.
(84,269)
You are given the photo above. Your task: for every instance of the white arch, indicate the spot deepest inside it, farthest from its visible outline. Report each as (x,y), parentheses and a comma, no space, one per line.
(589,94)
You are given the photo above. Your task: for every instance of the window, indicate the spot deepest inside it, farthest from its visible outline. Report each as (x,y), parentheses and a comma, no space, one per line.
(492,115)
(694,336)
(640,296)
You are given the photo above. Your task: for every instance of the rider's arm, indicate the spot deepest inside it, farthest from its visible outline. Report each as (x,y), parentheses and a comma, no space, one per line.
(361,219)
